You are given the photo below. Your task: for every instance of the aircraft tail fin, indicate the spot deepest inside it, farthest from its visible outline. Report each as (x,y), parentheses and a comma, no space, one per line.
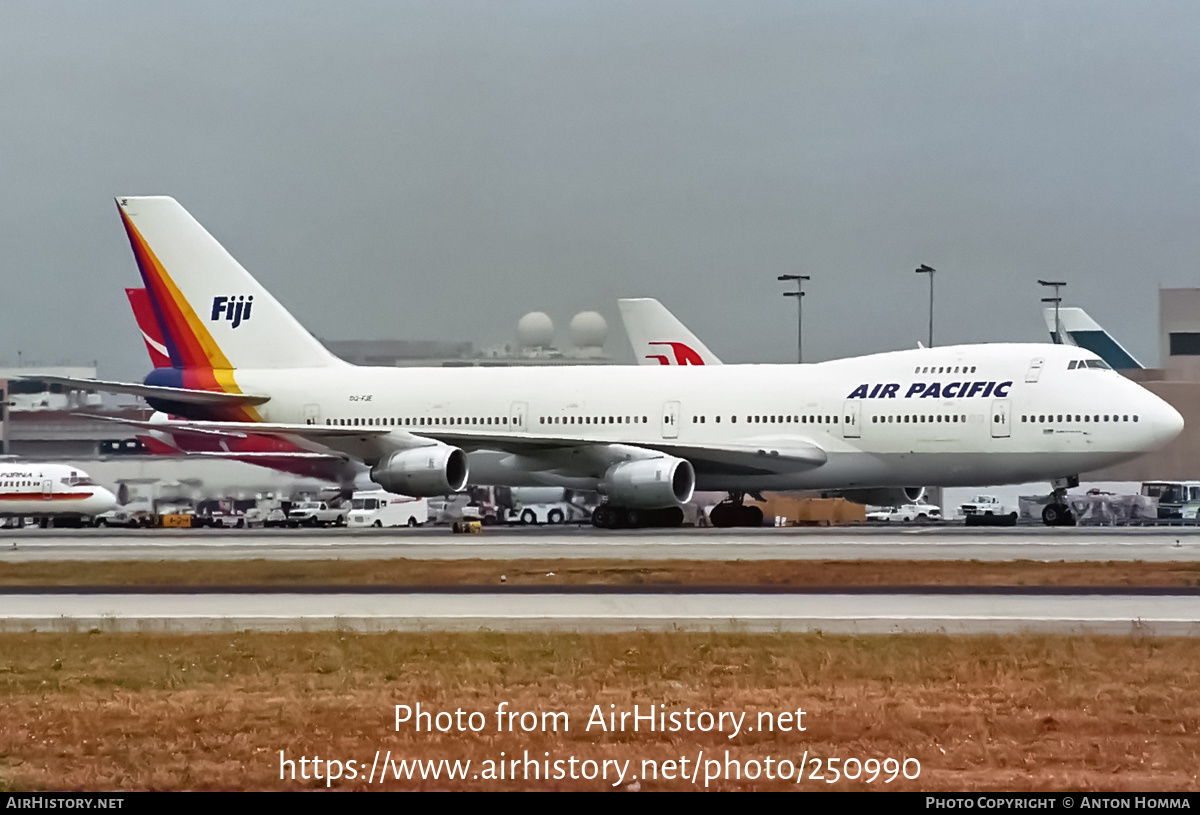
(217,316)
(1078,328)
(659,338)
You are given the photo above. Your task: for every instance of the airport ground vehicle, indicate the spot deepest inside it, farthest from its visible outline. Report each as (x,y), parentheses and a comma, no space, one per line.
(379,508)
(127,517)
(906,513)
(1176,499)
(543,505)
(988,510)
(316,513)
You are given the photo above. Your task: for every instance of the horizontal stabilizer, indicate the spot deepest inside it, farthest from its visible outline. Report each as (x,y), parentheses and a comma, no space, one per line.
(188,395)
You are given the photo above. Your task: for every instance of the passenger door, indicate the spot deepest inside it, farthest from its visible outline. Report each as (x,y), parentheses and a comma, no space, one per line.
(517,415)
(1001,410)
(670,422)
(851,416)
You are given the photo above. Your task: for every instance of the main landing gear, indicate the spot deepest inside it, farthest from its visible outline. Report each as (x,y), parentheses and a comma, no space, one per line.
(732,512)
(608,516)
(1057,512)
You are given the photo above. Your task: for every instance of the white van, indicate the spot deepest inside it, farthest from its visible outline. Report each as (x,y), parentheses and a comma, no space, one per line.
(378,508)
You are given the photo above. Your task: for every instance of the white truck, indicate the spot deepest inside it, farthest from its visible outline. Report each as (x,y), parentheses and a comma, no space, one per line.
(378,508)
(988,510)
(316,513)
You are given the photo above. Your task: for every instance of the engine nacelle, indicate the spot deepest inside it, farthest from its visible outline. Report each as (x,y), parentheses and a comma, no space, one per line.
(423,471)
(651,483)
(885,496)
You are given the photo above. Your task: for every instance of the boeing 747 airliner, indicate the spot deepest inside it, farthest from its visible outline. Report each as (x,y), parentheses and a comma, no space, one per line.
(644,436)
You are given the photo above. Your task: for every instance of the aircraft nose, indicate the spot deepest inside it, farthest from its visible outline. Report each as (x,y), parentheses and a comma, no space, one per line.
(1166,422)
(101,501)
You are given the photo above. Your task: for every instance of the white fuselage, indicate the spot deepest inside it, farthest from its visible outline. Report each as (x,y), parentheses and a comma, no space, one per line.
(1002,413)
(50,489)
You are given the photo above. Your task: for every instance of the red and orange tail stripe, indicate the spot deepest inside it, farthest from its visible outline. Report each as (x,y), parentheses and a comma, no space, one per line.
(197,362)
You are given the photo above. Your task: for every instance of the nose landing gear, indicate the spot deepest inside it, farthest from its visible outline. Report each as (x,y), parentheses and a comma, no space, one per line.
(1057,512)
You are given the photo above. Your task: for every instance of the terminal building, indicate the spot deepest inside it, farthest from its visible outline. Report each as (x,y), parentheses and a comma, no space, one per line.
(1178,383)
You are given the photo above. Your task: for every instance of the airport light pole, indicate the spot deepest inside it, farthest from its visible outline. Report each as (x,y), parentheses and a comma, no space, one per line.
(1056,300)
(929,270)
(799,295)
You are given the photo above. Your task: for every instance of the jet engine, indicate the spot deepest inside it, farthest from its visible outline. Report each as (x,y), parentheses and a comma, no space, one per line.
(650,483)
(423,471)
(884,496)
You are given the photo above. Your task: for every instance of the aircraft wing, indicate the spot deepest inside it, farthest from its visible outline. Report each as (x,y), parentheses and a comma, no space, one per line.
(765,455)
(194,397)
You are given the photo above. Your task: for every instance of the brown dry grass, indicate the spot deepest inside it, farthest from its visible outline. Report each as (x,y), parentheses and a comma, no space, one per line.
(546,572)
(128,711)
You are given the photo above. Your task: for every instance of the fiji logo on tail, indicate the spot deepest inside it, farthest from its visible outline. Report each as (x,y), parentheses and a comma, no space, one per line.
(684,354)
(233,309)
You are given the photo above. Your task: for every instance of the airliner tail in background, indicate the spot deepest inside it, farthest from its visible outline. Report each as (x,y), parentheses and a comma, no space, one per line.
(659,338)
(1079,329)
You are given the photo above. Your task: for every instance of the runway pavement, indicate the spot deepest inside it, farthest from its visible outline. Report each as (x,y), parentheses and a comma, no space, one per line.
(1151,615)
(1159,544)
(1160,613)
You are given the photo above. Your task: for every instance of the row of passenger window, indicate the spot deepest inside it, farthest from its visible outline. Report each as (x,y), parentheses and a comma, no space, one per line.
(594,420)
(944,369)
(1064,418)
(918,418)
(458,421)
(776,419)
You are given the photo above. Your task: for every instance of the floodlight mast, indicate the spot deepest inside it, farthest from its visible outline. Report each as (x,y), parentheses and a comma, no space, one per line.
(1056,300)
(929,270)
(799,295)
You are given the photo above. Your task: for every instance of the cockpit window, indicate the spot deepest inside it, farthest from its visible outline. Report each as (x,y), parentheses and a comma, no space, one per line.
(1098,363)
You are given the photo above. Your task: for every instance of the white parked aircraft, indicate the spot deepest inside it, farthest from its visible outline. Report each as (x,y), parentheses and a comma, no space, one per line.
(645,437)
(52,493)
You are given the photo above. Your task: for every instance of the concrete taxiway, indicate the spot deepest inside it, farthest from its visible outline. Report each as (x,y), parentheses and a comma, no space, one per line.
(1151,615)
(1160,544)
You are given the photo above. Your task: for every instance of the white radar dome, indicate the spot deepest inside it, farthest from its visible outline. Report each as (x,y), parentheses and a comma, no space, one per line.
(588,330)
(535,330)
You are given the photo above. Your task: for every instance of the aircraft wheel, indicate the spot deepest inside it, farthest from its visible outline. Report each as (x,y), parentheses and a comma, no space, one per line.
(1057,515)
(751,516)
(671,517)
(722,515)
(604,517)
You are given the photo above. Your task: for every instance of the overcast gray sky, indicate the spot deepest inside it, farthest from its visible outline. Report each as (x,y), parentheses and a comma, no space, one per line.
(417,170)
